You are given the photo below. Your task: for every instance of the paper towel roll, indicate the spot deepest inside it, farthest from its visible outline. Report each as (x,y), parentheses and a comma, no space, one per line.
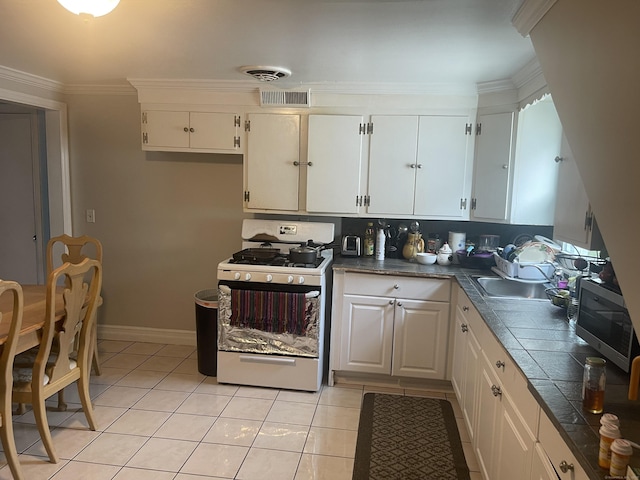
(457,242)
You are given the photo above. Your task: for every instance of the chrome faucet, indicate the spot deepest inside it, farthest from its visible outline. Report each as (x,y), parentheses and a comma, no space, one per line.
(551,280)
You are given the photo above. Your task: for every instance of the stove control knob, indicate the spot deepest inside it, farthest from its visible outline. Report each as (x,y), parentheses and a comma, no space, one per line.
(236,276)
(301,280)
(290,279)
(269,278)
(247,277)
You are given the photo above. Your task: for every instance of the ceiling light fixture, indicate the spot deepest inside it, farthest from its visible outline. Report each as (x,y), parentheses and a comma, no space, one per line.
(95,8)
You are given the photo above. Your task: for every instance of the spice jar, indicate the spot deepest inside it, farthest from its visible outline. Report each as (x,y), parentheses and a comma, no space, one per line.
(593,383)
(620,455)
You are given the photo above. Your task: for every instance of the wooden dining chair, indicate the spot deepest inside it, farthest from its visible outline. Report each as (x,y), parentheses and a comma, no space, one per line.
(6,369)
(74,250)
(57,364)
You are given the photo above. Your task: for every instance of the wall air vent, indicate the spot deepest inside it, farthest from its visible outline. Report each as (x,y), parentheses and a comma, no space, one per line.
(281,98)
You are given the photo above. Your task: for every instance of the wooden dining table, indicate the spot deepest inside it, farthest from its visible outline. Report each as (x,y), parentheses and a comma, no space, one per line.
(33,316)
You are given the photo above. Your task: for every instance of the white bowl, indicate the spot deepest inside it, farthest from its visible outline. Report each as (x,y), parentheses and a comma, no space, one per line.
(426,258)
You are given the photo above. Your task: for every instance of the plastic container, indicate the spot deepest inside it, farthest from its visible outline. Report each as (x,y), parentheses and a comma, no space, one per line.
(621,452)
(608,433)
(488,243)
(207,331)
(380,244)
(593,384)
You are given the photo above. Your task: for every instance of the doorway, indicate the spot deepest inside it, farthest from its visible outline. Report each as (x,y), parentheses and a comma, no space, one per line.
(51,197)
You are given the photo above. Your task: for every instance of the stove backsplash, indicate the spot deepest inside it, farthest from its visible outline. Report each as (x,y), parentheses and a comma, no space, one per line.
(357,226)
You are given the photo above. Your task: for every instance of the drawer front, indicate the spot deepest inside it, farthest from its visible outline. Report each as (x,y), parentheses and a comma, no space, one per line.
(558,452)
(418,288)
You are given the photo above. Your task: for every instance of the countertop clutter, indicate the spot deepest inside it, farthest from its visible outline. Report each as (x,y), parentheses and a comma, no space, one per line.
(546,349)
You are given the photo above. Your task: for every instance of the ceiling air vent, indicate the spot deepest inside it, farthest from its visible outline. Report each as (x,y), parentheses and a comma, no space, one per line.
(279,98)
(266,74)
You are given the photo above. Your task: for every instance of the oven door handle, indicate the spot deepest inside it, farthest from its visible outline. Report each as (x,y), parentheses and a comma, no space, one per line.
(267,359)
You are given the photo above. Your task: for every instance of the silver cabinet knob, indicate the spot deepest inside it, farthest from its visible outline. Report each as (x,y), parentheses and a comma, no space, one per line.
(399,304)
(419,165)
(465,309)
(192,129)
(396,286)
(565,467)
(391,302)
(496,390)
(186,129)
(500,364)
(505,167)
(464,328)
(412,165)
(558,159)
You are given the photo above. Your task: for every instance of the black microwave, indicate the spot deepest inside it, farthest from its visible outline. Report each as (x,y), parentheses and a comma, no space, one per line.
(603,322)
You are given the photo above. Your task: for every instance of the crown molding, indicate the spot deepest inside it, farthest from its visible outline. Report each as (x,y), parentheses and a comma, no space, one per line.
(495,86)
(529,14)
(30,80)
(96,89)
(531,72)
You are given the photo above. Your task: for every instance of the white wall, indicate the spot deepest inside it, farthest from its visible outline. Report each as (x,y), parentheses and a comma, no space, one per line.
(588,50)
(165,219)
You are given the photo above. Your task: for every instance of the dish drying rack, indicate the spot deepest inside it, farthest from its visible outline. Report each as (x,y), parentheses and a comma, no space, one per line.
(524,272)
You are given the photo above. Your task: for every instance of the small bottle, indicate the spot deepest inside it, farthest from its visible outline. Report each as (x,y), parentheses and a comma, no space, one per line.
(621,452)
(593,383)
(608,433)
(380,242)
(369,240)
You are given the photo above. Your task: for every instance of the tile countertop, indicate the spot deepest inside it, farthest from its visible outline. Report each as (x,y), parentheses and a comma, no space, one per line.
(545,347)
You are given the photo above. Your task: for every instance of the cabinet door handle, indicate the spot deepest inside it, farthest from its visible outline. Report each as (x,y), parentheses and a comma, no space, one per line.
(496,390)
(399,304)
(558,159)
(500,364)
(186,129)
(391,302)
(396,286)
(465,309)
(419,165)
(565,467)
(192,129)
(297,163)
(464,328)
(505,167)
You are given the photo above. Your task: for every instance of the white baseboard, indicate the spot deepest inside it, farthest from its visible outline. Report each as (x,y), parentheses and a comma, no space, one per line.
(144,334)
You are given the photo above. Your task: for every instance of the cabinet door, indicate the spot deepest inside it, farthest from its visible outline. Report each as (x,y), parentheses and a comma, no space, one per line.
(493,163)
(515,443)
(572,207)
(442,181)
(334,156)
(213,131)
(541,468)
(273,148)
(488,410)
(420,339)
(165,129)
(367,330)
(392,165)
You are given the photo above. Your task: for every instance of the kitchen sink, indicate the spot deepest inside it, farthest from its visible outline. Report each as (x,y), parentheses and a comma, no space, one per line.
(497,287)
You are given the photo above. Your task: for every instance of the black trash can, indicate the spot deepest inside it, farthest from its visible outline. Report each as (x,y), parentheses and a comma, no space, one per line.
(207,331)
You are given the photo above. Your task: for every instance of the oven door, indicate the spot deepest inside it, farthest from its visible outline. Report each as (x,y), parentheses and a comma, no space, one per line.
(604,323)
(267,318)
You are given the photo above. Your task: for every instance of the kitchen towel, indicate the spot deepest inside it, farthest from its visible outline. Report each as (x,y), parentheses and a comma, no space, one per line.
(275,312)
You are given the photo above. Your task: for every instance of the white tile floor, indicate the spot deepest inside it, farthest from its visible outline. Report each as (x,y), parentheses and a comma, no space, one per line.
(159,419)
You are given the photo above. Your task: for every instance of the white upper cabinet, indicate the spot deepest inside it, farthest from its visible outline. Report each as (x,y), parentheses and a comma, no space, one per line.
(334,163)
(515,171)
(190,131)
(574,221)
(272,166)
(494,135)
(443,181)
(419,165)
(392,165)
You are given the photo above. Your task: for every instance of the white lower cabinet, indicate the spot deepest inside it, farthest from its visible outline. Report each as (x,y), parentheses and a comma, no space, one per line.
(556,454)
(391,325)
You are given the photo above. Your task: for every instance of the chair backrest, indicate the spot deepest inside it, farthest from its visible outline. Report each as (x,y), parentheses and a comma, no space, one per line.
(82,285)
(72,250)
(9,347)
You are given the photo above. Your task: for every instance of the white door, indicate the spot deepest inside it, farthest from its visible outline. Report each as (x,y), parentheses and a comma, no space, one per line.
(18,245)
(493,163)
(392,165)
(420,334)
(273,149)
(334,156)
(367,334)
(443,152)
(213,131)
